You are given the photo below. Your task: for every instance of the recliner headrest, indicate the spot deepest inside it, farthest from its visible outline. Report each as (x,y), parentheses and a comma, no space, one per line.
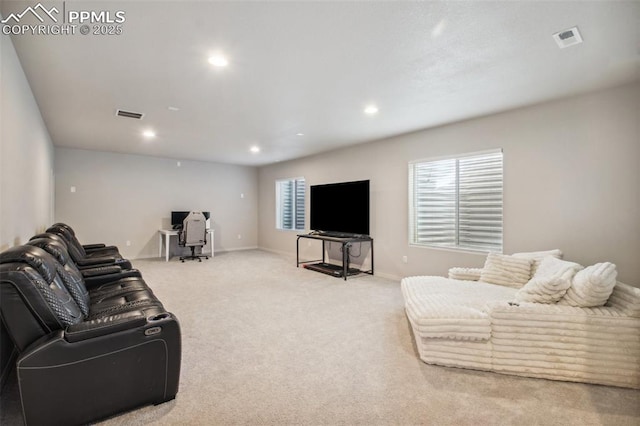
(51,236)
(60,230)
(53,247)
(35,257)
(65,226)
(75,249)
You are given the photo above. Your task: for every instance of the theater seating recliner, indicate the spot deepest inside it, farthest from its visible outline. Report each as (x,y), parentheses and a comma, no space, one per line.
(84,353)
(81,262)
(86,255)
(97,278)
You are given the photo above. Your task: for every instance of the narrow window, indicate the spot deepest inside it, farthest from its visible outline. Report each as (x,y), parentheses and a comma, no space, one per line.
(290,195)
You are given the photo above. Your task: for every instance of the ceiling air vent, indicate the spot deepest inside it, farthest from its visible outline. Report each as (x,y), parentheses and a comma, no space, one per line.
(129,114)
(568,37)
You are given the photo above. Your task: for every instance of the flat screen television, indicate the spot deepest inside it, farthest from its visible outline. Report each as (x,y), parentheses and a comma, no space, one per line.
(178,217)
(340,207)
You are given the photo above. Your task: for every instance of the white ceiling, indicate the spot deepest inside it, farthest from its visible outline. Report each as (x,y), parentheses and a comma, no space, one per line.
(312,67)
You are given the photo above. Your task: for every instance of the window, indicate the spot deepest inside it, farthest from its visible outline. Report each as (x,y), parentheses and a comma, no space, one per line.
(457,202)
(290,204)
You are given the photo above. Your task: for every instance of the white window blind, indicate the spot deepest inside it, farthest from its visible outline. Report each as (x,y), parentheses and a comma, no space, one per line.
(290,194)
(457,202)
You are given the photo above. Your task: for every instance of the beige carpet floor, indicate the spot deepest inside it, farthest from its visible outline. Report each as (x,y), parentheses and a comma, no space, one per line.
(266,343)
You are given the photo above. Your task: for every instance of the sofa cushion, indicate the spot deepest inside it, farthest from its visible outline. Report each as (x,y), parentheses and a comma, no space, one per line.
(626,299)
(550,282)
(439,307)
(506,270)
(537,256)
(591,286)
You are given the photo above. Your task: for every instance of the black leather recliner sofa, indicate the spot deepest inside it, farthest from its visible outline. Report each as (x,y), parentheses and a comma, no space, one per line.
(85,255)
(82,261)
(85,352)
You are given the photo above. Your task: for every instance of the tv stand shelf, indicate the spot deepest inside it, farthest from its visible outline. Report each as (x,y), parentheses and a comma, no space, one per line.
(338,271)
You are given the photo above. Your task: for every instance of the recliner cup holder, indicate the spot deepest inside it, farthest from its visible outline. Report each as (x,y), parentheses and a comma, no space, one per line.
(159,317)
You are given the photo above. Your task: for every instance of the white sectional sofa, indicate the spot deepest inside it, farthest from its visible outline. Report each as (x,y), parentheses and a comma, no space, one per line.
(471,323)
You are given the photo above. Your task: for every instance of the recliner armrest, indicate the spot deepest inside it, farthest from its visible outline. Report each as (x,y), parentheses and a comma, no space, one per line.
(101,270)
(93,281)
(88,360)
(86,263)
(105,325)
(89,247)
(103,261)
(107,250)
(124,263)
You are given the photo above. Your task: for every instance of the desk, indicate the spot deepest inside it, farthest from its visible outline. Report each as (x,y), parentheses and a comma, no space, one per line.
(327,268)
(164,236)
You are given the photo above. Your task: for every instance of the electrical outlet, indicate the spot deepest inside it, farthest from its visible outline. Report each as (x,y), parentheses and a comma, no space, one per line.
(73,189)
(239,236)
(241,195)
(405,259)
(128,243)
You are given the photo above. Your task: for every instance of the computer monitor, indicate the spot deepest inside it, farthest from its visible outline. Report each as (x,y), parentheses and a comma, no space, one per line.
(178,217)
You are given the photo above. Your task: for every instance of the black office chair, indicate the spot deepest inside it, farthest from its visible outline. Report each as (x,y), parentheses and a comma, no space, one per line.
(193,235)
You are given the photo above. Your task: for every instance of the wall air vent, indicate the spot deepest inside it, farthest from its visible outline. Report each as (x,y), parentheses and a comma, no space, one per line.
(568,37)
(129,114)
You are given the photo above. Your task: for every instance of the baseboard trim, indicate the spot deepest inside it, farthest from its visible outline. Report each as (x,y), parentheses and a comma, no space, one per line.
(283,253)
(151,256)
(238,249)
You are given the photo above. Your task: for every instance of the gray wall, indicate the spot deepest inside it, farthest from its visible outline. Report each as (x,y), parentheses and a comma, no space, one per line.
(26,168)
(122,198)
(571,181)
(26,156)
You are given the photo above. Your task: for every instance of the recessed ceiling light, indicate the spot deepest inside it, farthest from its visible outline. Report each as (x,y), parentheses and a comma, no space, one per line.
(218,61)
(255,149)
(299,134)
(371,109)
(149,134)
(172,108)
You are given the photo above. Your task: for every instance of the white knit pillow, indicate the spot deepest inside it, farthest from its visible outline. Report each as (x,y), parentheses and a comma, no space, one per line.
(466,274)
(537,257)
(591,286)
(506,270)
(550,283)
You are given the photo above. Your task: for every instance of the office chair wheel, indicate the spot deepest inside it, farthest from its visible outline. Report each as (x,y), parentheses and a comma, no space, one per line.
(199,260)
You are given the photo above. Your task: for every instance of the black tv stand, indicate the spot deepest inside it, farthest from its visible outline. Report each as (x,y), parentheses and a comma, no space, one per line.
(338,271)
